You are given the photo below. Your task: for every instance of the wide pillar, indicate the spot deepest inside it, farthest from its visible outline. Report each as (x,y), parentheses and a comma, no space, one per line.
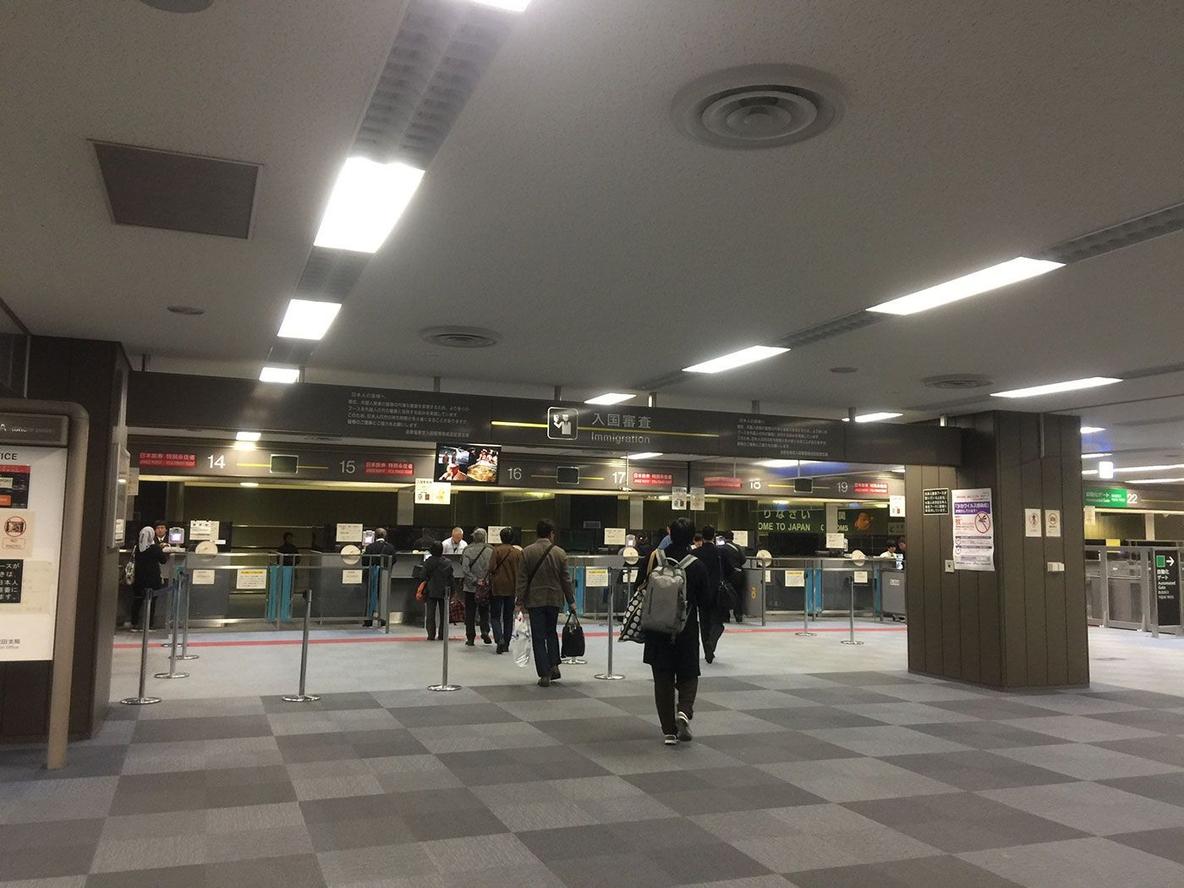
(1023,624)
(93,374)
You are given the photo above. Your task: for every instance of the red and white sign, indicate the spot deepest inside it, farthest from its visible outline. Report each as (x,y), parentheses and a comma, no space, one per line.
(159,459)
(389,468)
(722,482)
(652,479)
(870,487)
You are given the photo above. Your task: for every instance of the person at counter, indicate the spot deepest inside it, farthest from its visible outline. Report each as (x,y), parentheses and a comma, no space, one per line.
(455,544)
(504,566)
(889,550)
(288,551)
(372,557)
(436,573)
(474,565)
(543,585)
(734,558)
(150,555)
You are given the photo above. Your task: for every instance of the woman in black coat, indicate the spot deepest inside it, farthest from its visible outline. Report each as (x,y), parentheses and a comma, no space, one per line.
(150,555)
(675,662)
(437,573)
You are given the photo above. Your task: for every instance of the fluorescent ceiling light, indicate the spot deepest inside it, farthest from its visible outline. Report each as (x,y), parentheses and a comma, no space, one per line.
(1167,468)
(308,319)
(367,200)
(1089,471)
(248,483)
(244,445)
(1010,272)
(1089,430)
(1156,481)
(646,455)
(285,375)
(898,469)
(873,417)
(1053,388)
(1094,455)
(779,463)
(1105,470)
(736,359)
(508,5)
(611,398)
(248,436)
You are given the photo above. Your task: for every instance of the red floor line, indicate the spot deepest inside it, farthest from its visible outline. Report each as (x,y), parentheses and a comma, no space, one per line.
(385,639)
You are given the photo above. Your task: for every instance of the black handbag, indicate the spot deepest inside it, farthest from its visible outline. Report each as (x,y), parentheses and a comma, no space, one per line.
(572,643)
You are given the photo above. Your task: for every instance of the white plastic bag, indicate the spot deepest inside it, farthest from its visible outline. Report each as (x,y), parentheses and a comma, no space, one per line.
(520,647)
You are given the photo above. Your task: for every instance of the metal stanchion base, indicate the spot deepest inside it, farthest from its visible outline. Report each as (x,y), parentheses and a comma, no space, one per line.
(139,701)
(609,676)
(806,634)
(300,698)
(171,675)
(188,657)
(850,641)
(573,661)
(447,687)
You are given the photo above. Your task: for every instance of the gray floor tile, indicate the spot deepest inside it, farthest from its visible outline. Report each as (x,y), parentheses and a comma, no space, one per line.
(977,769)
(765,698)
(812,718)
(643,705)
(78,881)
(1168,843)
(924,692)
(1085,761)
(885,740)
(565,708)
(383,743)
(604,870)
(987,735)
(188,791)
(1079,728)
(193,876)
(471,738)
(856,779)
(460,714)
(212,728)
(519,765)
(1072,864)
(82,761)
(373,865)
(706,862)
(1082,704)
(527,691)
(992,708)
(641,756)
(327,703)
(923,872)
(1092,807)
(46,850)
(150,852)
(1164,787)
(842,696)
(294,871)
(962,822)
(713,683)
(905,713)
(1137,697)
(774,746)
(1161,720)
(865,679)
(47,800)
(616,728)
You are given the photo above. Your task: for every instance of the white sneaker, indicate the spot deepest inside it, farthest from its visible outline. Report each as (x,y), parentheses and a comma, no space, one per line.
(670,740)
(684,729)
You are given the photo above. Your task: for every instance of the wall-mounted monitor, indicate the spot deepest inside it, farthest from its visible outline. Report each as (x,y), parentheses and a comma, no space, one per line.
(467,463)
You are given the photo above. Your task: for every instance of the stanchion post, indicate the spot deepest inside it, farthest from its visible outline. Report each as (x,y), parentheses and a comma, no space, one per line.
(805,633)
(851,586)
(301,696)
(175,607)
(185,655)
(444,684)
(608,674)
(764,592)
(142,699)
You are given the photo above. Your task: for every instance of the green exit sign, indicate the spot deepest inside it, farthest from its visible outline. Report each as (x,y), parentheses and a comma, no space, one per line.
(1107,497)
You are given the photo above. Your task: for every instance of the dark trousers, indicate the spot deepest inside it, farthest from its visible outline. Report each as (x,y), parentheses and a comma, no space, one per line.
(544,638)
(711,627)
(436,606)
(666,685)
(501,614)
(472,611)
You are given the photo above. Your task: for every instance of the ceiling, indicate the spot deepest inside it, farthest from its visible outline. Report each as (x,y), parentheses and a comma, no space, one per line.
(566,211)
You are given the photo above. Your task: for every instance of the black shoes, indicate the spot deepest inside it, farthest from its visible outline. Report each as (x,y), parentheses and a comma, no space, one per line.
(684,728)
(470,643)
(486,639)
(555,676)
(545,681)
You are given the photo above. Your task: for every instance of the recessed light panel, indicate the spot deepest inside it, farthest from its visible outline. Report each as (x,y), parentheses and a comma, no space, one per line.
(1053,388)
(611,398)
(308,319)
(983,281)
(367,200)
(286,375)
(736,359)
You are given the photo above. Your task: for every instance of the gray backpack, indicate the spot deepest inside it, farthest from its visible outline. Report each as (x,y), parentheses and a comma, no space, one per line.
(664,606)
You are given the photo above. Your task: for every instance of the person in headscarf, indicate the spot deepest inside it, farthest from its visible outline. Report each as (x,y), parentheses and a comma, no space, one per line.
(150,555)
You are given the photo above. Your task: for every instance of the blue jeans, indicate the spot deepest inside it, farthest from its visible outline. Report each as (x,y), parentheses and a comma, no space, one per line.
(501,617)
(544,638)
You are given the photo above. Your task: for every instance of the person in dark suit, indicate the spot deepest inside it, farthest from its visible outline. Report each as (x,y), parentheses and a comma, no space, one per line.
(675,662)
(150,555)
(711,617)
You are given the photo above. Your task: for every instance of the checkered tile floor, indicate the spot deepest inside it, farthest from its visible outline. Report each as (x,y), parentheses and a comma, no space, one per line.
(827,779)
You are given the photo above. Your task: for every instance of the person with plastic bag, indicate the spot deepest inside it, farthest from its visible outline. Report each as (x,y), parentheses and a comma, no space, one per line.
(436,574)
(674,662)
(503,586)
(475,563)
(544,584)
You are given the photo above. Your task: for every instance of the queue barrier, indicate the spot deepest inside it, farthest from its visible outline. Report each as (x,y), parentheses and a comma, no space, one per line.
(1122,590)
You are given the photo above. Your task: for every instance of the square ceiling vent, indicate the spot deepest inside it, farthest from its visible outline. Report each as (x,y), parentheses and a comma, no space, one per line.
(180,192)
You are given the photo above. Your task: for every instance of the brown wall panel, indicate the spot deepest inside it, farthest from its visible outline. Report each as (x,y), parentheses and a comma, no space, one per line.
(1076,632)
(1010,541)
(915,566)
(931,582)
(1054,550)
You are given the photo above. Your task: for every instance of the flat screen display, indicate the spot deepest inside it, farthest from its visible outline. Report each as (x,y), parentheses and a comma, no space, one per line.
(567,475)
(467,463)
(284,464)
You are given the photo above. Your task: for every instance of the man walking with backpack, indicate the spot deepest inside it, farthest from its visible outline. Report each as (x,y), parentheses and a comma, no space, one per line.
(675,583)
(543,585)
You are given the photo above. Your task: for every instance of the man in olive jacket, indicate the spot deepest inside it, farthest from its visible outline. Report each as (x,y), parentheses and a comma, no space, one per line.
(544,584)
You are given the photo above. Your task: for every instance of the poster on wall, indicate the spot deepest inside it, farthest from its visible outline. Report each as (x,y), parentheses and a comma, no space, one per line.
(974,529)
(678,499)
(698,499)
(32,493)
(204,529)
(429,492)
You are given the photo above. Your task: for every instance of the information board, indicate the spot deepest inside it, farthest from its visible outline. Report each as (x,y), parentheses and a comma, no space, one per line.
(935,501)
(1167,586)
(32,494)
(974,529)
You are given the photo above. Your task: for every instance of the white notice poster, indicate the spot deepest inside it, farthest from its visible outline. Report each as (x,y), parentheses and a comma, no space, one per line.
(795,579)
(836,541)
(493,533)
(203,529)
(1031,522)
(859,577)
(740,538)
(349,533)
(614,536)
(202,577)
(430,492)
(596,577)
(698,499)
(351,578)
(678,499)
(1052,522)
(974,529)
(895,506)
(251,578)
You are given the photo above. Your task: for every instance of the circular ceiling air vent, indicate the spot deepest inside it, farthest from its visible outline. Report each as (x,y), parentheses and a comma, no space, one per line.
(957,381)
(459,337)
(188,310)
(758,106)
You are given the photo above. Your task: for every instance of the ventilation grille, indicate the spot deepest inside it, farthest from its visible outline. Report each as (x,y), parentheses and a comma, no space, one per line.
(439,55)
(1124,234)
(957,381)
(331,273)
(827,329)
(179,192)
